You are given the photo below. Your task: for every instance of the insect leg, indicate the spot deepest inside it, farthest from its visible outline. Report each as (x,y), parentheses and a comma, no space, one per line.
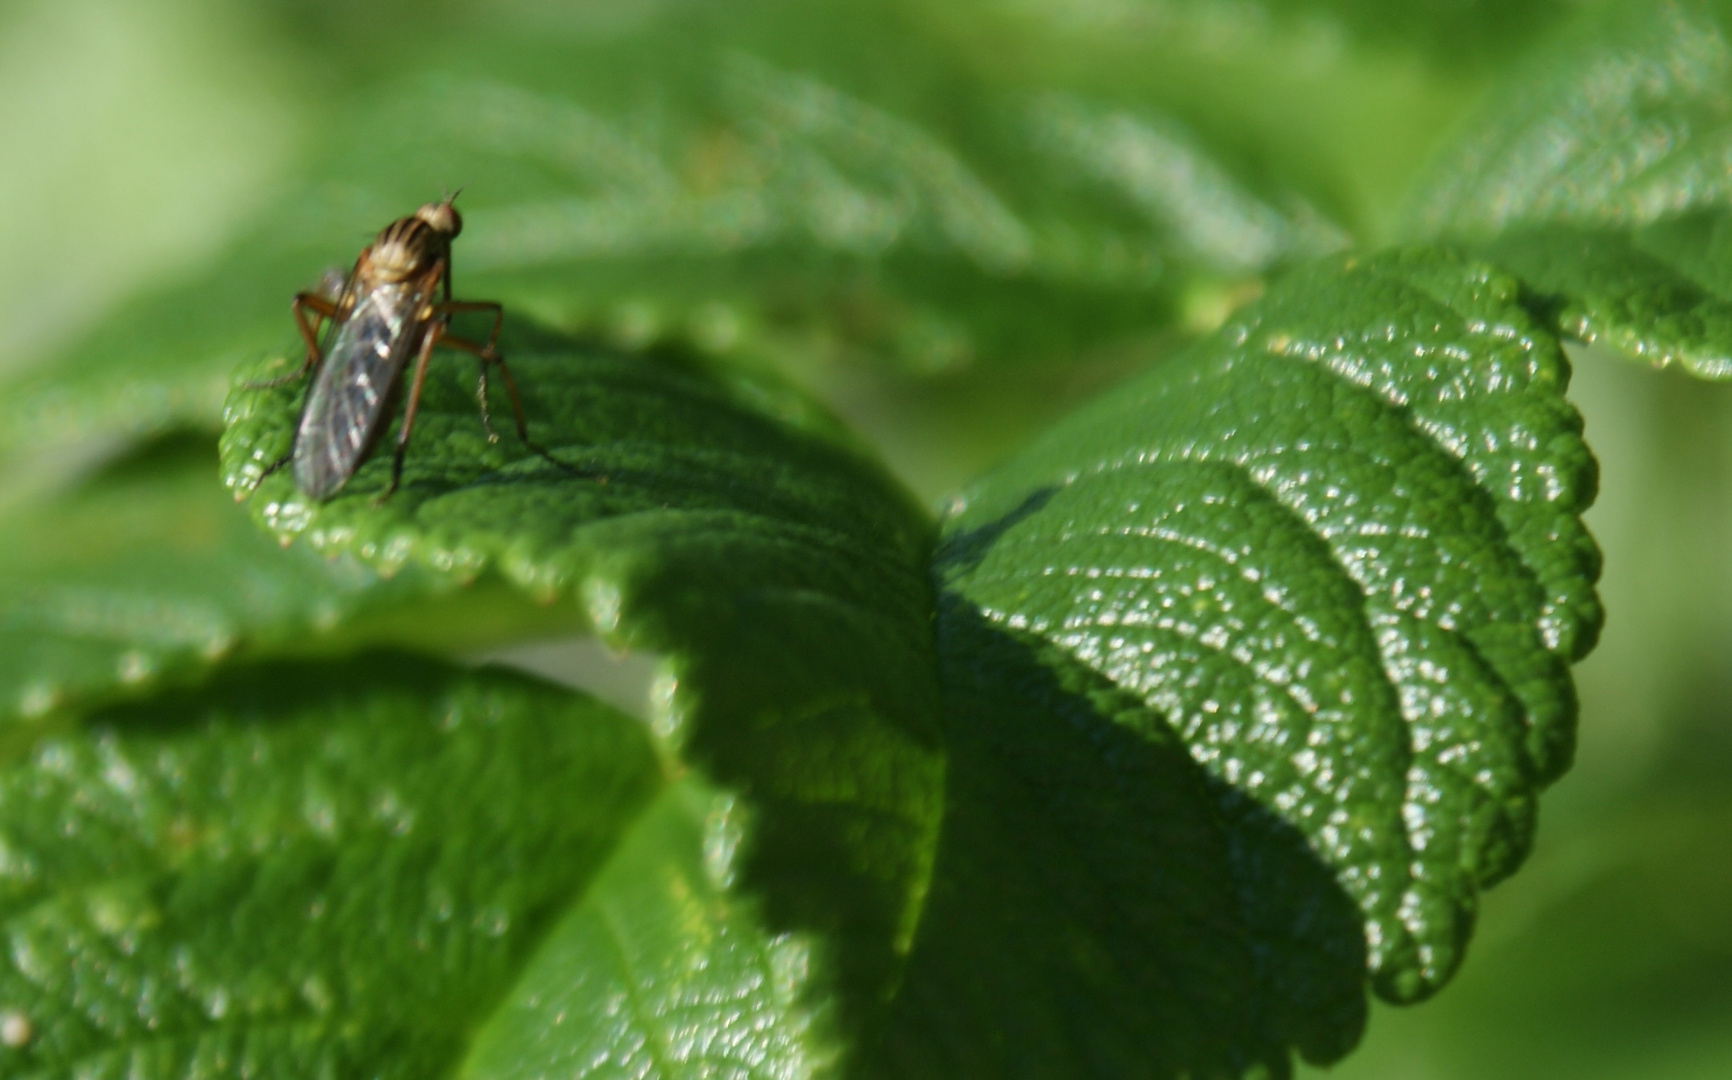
(268,470)
(428,340)
(489,357)
(322,308)
(481,400)
(488,354)
(459,307)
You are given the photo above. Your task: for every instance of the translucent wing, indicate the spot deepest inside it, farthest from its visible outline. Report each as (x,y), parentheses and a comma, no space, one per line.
(346,407)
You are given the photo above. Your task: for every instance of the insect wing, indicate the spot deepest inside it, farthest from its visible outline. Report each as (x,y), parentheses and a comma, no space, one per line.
(365,355)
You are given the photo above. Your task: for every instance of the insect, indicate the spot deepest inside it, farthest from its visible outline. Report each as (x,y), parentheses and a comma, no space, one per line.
(394,306)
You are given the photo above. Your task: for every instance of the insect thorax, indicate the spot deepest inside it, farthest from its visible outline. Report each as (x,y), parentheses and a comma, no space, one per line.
(405,247)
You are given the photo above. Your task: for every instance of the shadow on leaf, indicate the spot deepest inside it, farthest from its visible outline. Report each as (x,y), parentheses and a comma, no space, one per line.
(1100,906)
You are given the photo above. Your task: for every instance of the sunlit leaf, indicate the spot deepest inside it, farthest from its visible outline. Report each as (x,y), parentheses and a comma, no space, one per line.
(1337,549)
(785,583)
(1233,690)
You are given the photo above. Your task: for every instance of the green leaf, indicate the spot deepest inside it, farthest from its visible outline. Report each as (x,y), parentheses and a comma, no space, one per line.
(147,573)
(1320,678)
(917,857)
(333,869)
(664,969)
(1596,172)
(1100,905)
(782,579)
(1026,828)
(625,437)
(1656,293)
(1337,549)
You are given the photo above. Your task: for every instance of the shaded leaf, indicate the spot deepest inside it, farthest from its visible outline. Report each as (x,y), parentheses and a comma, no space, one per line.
(1337,549)
(314,869)
(1100,905)
(1071,836)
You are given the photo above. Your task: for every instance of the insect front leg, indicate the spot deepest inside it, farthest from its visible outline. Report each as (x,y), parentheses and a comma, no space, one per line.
(323,308)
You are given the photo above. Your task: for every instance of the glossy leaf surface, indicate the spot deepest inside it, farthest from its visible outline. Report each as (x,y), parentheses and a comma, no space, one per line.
(785,582)
(1337,549)
(1301,603)
(1099,904)
(1234,689)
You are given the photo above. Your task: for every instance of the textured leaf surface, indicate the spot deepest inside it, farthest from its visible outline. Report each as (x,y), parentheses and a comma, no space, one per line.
(1597,172)
(804,182)
(964,867)
(148,573)
(783,579)
(663,970)
(308,870)
(1337,549)
(1656,293)
(1078,837)
(1250,673)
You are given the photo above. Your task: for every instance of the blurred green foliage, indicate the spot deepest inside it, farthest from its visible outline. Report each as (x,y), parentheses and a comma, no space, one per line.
(1143,166)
